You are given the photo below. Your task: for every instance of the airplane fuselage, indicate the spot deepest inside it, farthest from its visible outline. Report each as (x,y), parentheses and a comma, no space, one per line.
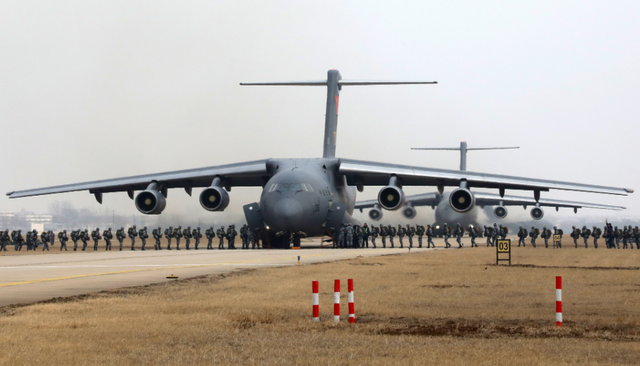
(301,195)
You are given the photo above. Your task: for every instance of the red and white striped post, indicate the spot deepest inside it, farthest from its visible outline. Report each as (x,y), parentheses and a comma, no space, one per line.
(352,312)
(315,300)
(336,301)
(558,301)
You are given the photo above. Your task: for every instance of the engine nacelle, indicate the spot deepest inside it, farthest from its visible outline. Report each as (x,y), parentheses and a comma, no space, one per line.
(214,199)
(150,202)
(500,212)
(537,213)
(375,213)
(391,198)
(408,211)
(462,200)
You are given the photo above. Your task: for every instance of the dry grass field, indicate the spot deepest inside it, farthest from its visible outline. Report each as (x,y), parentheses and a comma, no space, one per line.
(439,307)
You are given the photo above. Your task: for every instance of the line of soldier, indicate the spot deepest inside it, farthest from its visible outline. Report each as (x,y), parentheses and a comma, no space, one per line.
(356,236)
(249,238)
(611,234)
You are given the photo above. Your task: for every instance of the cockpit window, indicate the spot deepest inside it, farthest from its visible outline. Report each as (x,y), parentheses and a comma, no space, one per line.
(291,187)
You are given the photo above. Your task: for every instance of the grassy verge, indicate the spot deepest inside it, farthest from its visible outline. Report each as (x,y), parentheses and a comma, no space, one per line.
(439,307)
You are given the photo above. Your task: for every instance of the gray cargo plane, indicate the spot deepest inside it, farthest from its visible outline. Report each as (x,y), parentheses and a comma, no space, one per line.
(309,197)
(439,201)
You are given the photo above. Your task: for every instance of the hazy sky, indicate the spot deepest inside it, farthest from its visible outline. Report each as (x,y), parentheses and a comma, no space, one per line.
(102,89)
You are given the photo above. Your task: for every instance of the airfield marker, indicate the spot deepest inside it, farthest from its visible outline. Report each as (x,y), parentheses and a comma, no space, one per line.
(558,301)
(298,260)
(336,301)
(315,300)
(352,312)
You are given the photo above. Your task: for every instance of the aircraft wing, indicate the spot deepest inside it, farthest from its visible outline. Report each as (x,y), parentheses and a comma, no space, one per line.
(378,174)
(491,199)
(424,199)
(252,173)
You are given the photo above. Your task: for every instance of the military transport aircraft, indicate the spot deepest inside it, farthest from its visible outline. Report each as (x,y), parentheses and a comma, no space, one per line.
(309,197)
(445,214)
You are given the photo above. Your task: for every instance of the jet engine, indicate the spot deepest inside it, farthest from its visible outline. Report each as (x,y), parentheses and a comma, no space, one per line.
(462,200)
(376,213)
(500,212)
(151,201)
(214,198)
(391,197)
(408,211)
(537,213)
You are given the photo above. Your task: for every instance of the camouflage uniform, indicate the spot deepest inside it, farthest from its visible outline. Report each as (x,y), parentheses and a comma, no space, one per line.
(210,234)
(429,234)
(120,236)
(197,236)
(459,235)
(187,237)
(95,235)
(392,233)
(177,234)
(401,234)
(157,235)
(62,236)
(107,235)
(143,234)
(383,235)
(410,233)
(533,234)
(447,234)
(221,234)
(168,233)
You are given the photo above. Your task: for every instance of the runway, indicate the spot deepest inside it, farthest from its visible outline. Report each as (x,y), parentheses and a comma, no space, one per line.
(31,278)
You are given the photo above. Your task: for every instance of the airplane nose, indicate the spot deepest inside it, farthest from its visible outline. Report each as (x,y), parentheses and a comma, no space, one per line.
(288,210)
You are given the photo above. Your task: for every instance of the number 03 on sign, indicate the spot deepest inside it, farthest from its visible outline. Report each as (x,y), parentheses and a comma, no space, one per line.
(503,246)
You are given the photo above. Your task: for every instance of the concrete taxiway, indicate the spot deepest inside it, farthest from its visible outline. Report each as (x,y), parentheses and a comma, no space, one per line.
(30,278)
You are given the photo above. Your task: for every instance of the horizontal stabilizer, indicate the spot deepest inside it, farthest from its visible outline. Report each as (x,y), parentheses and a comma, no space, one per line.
(340,82)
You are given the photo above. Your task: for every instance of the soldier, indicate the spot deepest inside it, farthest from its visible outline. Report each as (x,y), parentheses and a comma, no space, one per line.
(95,235)
(44,237)
(84,236)
(4,239)
(522,234)
(608,234)
(447,234)
(557,231)
(459,235)
(29,240)
(429,234)
(383,235)
(392,233)
(231,236)
(107,235)
(410,233)
(350,231)
(625,237)
(473,234)
(62,236)
(144,234)
(250,238)
(596,235)
(157,235)
(365,235)
(487,234)
(420,233)
(186,234)
(243,237)
(74,238)
(221,235)
(495,233)
(636,237)
(177,234)
(545,235)
(132,233)
(19,240)
(575,234)
(533,234)
(120,236)
(197,235)
(210,234)
(52,237)
(341,236)
(168,233)
(586,233)
(256,237)
(401,234)
(375,231)
(617,235)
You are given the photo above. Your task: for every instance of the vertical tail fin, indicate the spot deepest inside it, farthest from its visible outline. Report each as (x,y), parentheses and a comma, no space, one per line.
(334,84)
